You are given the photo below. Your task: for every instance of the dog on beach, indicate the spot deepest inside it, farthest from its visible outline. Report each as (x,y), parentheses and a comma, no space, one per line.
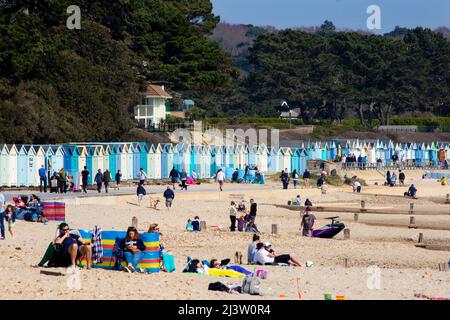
(154,203)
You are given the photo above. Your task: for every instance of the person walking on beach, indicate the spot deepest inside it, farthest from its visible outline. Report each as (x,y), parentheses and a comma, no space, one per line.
(140,192)
(220,179)
(233,212)
(42,179)
(142,176)
(169,195)
(307,223)
(107,179)
(388,178)
(295,178)
(183,178)
(174,175)
(62,181)
(2,216)
(117,178)
(285,178)
(401,177)
(306,177)
(99,180)
(84,179)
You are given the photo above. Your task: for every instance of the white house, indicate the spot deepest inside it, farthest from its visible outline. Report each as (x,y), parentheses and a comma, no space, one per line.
(153,108)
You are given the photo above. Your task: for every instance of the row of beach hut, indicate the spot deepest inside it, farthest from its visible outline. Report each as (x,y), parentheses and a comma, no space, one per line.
(19,164)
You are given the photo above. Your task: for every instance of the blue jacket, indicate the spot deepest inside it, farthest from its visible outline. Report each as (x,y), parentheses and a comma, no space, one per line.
(42,172)
(98,177)
(169,194)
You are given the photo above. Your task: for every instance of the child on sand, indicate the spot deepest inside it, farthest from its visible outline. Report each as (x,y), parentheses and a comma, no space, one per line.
(189,225)
(10,217)
(241,224)
(324,188)
(196,224)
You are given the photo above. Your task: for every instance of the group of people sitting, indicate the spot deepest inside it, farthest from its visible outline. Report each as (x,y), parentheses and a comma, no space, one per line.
(262,253)
(247,177)
(68,248)
(246,220)
(193,225)
(27,209)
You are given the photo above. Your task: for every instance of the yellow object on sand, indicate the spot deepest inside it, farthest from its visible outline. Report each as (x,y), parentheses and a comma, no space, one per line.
(224,273)
(443,181)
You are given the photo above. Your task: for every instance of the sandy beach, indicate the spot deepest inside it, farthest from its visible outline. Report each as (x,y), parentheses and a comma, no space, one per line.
(405,270)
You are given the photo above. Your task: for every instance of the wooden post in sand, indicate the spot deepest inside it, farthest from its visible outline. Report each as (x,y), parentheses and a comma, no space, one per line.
(411,208)
(202,225)
(134,222)
(363,204)
(346,262)
(355,217)
(274,229)
(443,266)
(346,234)
(448,198)
(412,222)
(420,237)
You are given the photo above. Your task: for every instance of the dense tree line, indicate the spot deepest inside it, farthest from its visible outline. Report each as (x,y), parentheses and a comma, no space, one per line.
(59,85)
(336,75)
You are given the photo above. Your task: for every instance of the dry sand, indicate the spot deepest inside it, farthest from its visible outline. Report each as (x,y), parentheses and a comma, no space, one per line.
(404,268)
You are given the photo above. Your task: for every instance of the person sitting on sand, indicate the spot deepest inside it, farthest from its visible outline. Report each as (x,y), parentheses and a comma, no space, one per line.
(241,223)
(393,180)
(196,224)
(264,257)
(324,188)
(189,225)
(411,192)
(251,251)
(133,249)
(357,186)
(241,207)
(251,227)
(307,223)
(73,246)
(298,201)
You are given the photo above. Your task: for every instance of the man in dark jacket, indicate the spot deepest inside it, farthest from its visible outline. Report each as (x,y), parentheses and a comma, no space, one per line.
(401,177)
(174,175)
(84,179)
(107,179)
(99,180)
(253,209)
(169,195)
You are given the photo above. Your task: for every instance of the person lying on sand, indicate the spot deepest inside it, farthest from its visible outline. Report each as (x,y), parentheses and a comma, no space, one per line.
(73,246)
(265,257)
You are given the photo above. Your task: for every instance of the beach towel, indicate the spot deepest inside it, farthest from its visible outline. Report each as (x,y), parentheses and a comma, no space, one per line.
(225,273)
(240,269)
(97,247)
(150,262)
(54,211)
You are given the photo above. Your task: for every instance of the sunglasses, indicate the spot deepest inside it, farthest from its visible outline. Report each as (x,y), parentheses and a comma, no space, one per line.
(66,229)
(132,229)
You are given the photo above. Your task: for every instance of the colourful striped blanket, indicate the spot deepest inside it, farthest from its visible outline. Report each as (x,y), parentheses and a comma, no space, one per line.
(151,261)
(54,211)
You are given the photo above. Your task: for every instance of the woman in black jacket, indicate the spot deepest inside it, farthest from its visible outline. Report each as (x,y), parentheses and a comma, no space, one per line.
(133,249)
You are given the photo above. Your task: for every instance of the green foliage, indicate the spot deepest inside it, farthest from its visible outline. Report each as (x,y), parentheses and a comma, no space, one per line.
(60,85)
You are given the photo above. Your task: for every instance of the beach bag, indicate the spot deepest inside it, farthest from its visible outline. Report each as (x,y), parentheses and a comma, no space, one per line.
(218,286)
(118,256)
(261,273)
(251,285)
(168,262)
